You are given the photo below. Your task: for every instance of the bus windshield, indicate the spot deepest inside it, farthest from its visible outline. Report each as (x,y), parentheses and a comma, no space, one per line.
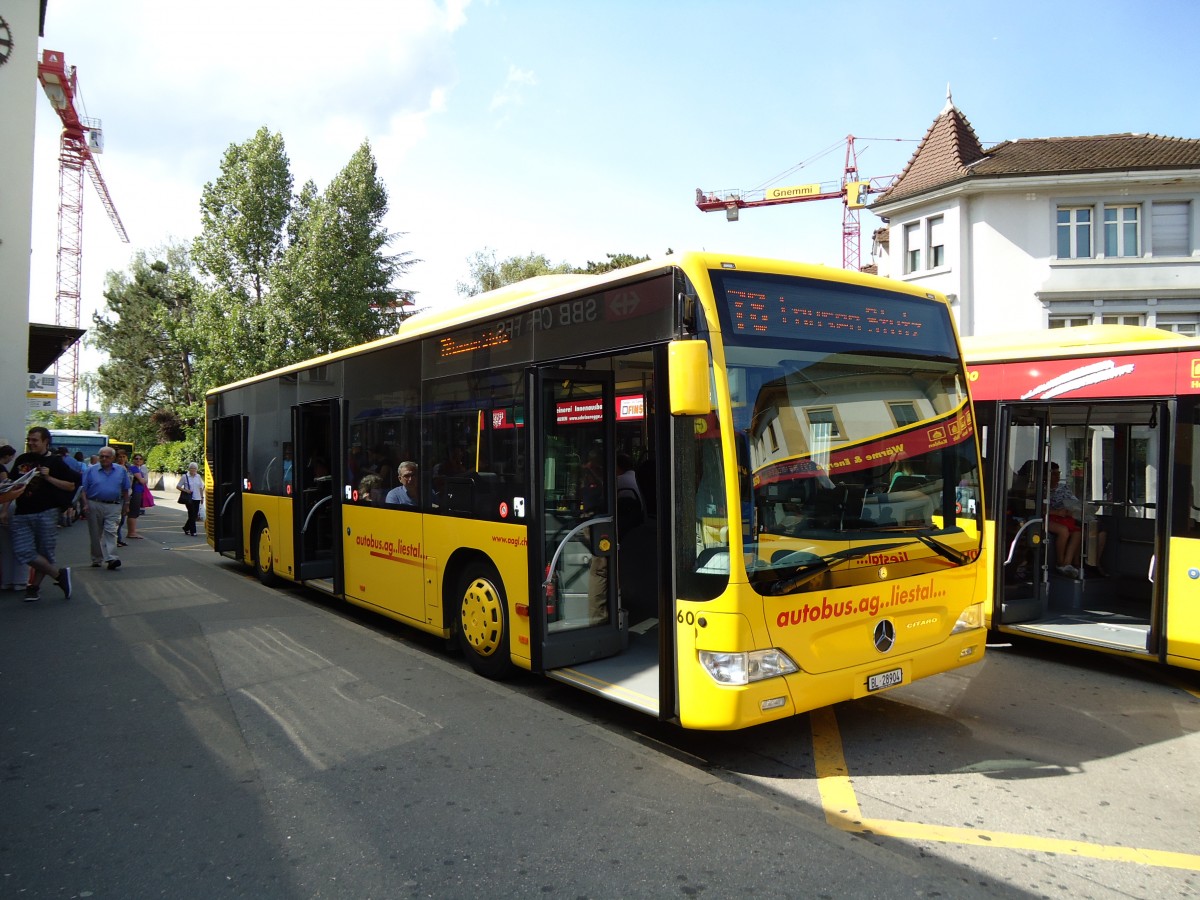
(857,448)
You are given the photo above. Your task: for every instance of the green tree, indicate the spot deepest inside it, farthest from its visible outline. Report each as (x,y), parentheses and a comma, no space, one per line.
(272,279)
(81,421)
(615,261)
(336,277)
(244,216)
(488,273)
(147,334)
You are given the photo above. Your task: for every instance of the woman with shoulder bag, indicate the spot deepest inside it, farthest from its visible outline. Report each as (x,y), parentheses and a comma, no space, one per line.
(191,492)
(137,476)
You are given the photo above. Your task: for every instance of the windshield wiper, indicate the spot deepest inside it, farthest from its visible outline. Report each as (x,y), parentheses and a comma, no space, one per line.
(941,549)
(955,556)
(810,571)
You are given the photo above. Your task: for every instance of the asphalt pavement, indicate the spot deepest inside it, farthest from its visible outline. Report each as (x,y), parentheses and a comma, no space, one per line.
(178,730)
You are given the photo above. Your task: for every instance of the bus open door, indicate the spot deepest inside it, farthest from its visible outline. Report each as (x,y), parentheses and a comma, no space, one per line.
(573,543)
(227,448)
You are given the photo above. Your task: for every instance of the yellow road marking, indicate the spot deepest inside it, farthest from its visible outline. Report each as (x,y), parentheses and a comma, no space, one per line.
(842,812)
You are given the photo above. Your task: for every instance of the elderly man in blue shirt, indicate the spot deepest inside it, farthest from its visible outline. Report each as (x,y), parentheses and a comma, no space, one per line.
(405,493)
(105,499)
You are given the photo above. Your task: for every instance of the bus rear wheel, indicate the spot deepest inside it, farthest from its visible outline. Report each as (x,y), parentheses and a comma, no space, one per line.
(483,622)
(264,561)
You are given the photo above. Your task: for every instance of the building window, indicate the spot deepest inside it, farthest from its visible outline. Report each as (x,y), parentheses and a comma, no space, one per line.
(904,412)
(1120,231)
(1069,321)
(1169,229)
(1125,319)
(824,424)
(912,248)
(1074,232)
(1180,323)
(937,242)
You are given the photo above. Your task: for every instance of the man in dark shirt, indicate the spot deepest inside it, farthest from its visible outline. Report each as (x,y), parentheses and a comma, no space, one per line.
(35,512)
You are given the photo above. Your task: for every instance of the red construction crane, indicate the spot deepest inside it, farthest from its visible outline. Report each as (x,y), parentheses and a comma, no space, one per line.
(852,191)
(81,139)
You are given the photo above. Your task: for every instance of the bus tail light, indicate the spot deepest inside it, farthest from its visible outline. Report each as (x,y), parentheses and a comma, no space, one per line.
(971,617)
(743,668)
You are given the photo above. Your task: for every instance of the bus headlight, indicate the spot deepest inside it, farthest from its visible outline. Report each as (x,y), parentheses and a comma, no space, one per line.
(971,617)
(743,668)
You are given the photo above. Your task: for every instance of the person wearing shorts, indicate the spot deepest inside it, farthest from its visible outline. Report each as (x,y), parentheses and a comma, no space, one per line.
(36,511)
(1064,526)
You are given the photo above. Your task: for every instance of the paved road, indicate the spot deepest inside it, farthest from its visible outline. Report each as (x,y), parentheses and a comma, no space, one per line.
(178,730)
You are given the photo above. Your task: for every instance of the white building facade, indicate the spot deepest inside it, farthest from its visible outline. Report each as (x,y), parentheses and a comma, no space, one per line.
(1048,232)
(20,25)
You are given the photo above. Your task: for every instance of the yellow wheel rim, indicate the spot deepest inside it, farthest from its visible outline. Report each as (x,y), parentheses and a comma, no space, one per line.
(482,617)
(264,550)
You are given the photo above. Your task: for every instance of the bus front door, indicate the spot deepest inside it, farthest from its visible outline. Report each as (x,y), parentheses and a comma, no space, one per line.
(316,510)
(1023,564)
(228,462)
(575,615)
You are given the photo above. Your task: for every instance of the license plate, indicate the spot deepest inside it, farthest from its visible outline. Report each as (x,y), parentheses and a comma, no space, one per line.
(885,680)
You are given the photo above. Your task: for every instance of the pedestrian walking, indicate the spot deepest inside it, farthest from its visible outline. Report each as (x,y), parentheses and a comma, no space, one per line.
(123,462)
(105,495)
(191,492)
(35,518)
(13,577)
(137,471)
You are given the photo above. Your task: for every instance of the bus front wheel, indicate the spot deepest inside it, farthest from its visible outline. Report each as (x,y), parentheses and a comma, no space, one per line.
(264,562)
(483,622)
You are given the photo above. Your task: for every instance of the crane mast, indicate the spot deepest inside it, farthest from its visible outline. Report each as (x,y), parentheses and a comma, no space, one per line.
(852,190)
(81,139)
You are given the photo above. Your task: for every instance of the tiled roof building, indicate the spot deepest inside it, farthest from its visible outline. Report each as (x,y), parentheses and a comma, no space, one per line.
(1042,232)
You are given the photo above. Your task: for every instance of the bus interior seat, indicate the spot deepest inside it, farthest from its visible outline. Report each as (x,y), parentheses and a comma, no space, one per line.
(637,571)
(629,514)
(476,493)
(458,494)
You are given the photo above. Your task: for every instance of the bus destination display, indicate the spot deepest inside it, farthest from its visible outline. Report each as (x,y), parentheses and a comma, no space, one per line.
(790,309)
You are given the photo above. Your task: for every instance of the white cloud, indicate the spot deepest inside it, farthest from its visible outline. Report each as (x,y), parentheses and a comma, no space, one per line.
(512,92)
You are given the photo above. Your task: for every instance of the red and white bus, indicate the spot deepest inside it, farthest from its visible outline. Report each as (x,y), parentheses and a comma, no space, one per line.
(1091,441)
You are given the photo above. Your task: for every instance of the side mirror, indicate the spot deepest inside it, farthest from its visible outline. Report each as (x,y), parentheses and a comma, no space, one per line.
(687,371)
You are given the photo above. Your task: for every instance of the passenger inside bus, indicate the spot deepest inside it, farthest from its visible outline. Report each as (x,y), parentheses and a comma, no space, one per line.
(627,486)
(637,554)
(1065,518)
(1067,512)
(370,489)
(407,491)
(591,484)
(1063,524)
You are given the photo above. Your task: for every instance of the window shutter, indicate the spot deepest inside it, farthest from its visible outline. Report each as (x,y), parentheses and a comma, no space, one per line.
(1169,229)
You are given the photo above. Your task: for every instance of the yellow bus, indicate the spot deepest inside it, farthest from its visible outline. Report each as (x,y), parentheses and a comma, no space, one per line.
(720,490)
(1091,441)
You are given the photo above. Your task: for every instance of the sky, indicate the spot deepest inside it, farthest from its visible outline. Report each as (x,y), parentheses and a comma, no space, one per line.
(575,129)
